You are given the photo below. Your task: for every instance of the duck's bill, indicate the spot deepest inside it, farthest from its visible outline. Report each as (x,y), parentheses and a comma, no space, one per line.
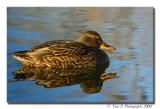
(107,47)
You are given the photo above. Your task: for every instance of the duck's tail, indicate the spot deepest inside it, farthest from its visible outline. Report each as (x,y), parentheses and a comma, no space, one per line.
(22,56)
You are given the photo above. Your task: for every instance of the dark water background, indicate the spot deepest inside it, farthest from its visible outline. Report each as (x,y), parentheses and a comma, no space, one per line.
(128,29)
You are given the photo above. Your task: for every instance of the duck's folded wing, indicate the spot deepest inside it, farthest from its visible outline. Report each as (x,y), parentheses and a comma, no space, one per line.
(59,48)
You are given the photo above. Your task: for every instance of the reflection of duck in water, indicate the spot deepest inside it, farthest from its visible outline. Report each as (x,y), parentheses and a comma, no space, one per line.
(90,79)
(67,53)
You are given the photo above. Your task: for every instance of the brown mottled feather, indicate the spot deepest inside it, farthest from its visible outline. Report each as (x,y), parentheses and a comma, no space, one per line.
(64,54)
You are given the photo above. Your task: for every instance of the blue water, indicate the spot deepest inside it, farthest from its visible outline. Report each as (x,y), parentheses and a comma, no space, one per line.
(128,29)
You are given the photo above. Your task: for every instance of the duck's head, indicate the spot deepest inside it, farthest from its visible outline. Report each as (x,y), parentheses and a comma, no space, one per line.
(93,39)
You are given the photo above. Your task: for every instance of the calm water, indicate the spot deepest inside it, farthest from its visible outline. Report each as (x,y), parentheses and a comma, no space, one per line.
(128,29)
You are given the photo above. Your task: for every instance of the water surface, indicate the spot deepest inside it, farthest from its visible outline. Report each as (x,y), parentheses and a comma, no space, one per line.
(128,29)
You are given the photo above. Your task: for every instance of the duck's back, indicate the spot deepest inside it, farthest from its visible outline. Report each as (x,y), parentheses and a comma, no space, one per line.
(63,54)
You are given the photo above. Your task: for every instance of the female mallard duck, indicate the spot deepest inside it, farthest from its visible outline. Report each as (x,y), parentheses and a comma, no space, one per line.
(68,53)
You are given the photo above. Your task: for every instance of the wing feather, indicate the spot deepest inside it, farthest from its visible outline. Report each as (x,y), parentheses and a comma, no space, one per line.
(59,48)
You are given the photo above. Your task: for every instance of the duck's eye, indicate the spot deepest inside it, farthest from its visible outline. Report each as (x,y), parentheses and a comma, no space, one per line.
(88,39)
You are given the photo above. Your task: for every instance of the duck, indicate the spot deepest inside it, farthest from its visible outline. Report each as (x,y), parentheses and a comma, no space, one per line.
(87,51)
